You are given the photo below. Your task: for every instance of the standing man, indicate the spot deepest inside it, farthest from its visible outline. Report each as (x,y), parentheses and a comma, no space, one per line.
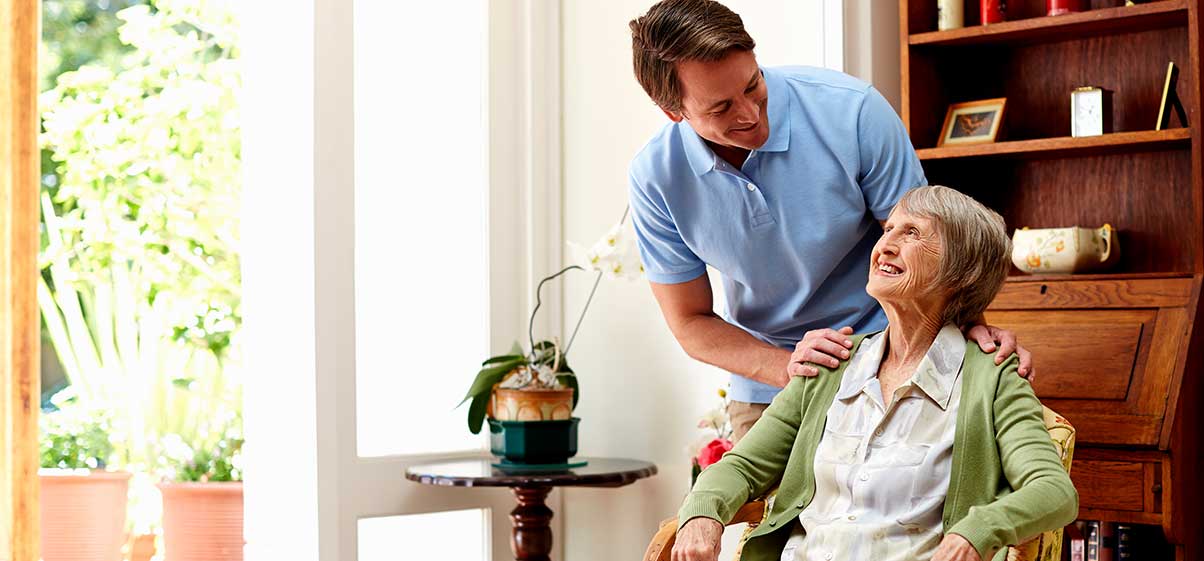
(778,178)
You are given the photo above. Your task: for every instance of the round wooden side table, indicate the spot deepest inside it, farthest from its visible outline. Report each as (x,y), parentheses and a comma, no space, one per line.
(531,537)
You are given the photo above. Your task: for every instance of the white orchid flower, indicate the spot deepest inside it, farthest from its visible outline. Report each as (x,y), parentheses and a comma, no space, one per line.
(615,254)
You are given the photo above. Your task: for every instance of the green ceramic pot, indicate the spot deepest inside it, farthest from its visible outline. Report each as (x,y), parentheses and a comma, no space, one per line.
(534,442)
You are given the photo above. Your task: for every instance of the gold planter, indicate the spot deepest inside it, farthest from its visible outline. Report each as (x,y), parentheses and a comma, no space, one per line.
(531,405)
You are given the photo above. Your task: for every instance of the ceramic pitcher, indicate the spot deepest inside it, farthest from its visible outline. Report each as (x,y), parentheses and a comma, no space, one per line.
(1065,250)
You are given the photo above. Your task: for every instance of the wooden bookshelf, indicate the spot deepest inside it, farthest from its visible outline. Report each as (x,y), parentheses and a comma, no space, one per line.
(1117,353)
(1123,19)
(1066,146)
(1023,277)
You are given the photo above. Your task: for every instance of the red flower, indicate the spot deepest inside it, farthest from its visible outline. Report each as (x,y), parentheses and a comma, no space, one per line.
(712,452)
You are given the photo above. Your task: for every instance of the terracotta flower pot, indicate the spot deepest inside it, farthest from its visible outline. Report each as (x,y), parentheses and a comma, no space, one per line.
(141,547)
(83,514)
(202,521)
(531,405)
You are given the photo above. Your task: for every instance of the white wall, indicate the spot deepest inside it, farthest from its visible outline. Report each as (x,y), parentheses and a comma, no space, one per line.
(641,395)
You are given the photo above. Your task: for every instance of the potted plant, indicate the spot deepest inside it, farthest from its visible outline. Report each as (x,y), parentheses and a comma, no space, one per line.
(203,500)
(529,397)
(83,504)
(714,440)
(140,286)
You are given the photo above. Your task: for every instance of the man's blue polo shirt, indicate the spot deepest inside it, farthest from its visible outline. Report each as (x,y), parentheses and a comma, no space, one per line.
(791,231)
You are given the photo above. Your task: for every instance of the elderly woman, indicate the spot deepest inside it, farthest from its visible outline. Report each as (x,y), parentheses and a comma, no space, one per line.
(919,446)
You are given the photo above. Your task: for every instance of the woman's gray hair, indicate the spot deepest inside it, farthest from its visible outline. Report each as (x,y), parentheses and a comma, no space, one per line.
(976,251)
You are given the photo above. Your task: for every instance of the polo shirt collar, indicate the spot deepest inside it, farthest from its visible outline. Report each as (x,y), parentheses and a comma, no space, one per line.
(935,377)
(778,112)
(702,159)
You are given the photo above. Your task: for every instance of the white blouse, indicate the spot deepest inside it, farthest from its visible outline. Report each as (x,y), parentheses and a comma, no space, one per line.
(882,471)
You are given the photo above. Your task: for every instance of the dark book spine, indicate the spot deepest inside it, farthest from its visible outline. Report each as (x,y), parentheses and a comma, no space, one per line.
(1125,542)
(1107,541)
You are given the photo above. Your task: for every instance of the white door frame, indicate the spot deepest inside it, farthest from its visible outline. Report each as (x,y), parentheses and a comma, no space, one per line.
(306,487)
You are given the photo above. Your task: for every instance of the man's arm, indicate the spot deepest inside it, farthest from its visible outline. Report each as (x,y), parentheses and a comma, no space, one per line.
(688,308)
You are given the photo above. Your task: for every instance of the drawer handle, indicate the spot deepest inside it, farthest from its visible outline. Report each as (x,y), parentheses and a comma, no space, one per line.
(1157,488)
(1044,288)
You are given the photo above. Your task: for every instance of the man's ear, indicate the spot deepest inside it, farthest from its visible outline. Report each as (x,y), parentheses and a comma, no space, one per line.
(673,115)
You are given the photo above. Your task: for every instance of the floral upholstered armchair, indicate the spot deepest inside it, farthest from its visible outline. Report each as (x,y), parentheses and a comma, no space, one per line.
(1044,547)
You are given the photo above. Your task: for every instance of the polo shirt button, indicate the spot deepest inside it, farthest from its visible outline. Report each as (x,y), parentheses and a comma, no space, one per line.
(865,477)
(828,555)
(752,187)
(852,517)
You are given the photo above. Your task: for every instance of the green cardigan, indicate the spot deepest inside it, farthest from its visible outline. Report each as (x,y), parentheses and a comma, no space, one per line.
(1006,482)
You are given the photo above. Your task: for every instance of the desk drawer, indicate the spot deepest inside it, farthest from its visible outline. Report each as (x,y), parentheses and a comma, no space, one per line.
(1107,352)
(1127,488)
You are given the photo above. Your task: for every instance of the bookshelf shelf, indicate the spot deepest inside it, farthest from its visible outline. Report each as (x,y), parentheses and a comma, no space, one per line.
(1066,146)
(1124,19)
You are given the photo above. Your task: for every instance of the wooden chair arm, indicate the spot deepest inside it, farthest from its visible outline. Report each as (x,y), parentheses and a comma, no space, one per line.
(662,543)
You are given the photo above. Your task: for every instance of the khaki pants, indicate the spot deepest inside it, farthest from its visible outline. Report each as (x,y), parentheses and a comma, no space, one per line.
(743,415)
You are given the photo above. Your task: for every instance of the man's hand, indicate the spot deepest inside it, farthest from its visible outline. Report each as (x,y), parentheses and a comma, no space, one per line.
(990,338)
(824,347)
(698,540)
(953,548)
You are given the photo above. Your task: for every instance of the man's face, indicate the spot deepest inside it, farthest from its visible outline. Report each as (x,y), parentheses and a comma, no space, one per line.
(725,101)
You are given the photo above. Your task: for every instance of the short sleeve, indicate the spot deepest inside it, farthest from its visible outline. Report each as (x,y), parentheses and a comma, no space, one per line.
(889,165)
(666,258)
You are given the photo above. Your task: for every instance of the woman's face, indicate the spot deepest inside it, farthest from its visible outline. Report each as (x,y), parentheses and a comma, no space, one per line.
(906,259)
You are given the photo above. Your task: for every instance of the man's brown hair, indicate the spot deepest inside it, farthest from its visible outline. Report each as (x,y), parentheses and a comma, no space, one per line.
(678,30)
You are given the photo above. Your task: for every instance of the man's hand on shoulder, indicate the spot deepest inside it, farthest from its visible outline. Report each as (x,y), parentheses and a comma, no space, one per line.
(990,339)
(825,347)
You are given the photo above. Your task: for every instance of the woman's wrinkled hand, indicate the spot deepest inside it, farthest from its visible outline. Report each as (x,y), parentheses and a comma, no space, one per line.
(698,540)
(952,548)
(825,347)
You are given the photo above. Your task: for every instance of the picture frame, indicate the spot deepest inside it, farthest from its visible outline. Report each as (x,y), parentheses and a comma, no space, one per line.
(1170,100)
(972,122)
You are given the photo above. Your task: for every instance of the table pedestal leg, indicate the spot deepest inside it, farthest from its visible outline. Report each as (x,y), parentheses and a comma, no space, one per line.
(531,539)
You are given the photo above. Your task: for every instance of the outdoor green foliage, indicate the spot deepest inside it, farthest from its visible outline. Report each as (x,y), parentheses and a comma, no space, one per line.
(74,438)
(221,462)
(140,288)
(79,32)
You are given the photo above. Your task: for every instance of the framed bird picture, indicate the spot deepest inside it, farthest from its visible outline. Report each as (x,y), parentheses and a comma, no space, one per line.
(972,122)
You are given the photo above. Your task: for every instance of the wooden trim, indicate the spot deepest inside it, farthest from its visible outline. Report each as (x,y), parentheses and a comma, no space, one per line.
(1066,146)
(19,320)
(1104,293)
(1126,19)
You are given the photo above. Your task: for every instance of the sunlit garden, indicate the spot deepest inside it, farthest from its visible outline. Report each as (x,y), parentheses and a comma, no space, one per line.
(140,285)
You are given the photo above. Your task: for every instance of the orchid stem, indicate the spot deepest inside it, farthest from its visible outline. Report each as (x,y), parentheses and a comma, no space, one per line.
(576,328)
(539,302)
(572,337)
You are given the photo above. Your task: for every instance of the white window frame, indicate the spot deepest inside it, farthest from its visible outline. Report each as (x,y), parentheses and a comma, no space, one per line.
(306,488)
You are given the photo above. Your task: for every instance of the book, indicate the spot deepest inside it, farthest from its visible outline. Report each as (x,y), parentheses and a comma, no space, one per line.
(1075,533)
(1091,540)
(1107,541)
(1126,537)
